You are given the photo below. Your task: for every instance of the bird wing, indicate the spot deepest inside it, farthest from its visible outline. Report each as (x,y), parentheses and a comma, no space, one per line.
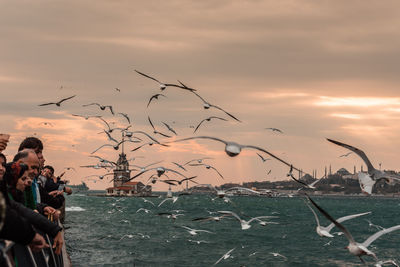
(141,132)
(315,215)
(46,104)
(297,180)
(359,152)
(345,218)
(169,128)
(91,104)
(223,257)
(231,213)
(62,100)
(227,113)
(375,236)
(272,155)
(202,99)
(198,137)
(126,116)
(165,135)
(261,157)
(101,147)
(179,165)
(338,225)
(151,123)
(198,125)
(217,171)
(145,75)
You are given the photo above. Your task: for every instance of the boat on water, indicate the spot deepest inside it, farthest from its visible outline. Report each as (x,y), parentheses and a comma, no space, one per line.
(79,187)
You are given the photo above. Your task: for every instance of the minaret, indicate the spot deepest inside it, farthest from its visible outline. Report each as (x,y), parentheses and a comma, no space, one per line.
(330,169)
(354,172)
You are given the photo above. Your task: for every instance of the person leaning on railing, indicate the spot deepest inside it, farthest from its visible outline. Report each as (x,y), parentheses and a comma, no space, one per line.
(19,215)
(14,227)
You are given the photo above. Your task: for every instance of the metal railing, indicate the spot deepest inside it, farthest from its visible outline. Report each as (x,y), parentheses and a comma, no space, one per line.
(13,254)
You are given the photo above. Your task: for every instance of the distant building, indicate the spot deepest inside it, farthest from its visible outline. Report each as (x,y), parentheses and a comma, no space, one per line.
(130,189)
(122,184)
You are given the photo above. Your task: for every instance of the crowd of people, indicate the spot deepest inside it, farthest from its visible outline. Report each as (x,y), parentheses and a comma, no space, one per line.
(31,197)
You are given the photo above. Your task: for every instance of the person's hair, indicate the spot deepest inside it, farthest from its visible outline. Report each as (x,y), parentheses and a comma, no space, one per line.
(32,143)
(22,154)
(4,157)
(14,171)
(50,168)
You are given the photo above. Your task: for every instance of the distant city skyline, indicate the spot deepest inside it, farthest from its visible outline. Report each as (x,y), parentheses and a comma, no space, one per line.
(312,69)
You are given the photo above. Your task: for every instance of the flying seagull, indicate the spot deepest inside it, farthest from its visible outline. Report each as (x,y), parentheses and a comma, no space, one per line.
(325,231)
(208,119)
(126,116)
(58,104)
(355,248)
(154,129)
(194,232)
(207,167)
(169,128)
(181,181)
(154,97)
(262,158)
(101,107)
(207,105)
(227,255)
(233,149)
(367,180)
(274,129)
(163,86)
(86,117)
(244,224)
(198,160)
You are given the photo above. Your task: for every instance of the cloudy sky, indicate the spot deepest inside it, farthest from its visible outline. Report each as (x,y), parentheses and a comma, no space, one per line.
(314,69)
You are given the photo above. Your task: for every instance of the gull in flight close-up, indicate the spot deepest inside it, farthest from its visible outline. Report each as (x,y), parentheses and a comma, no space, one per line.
(367,180)
(325,231)
(355,248)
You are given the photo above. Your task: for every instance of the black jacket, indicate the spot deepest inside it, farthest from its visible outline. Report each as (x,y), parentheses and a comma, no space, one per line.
(16,228)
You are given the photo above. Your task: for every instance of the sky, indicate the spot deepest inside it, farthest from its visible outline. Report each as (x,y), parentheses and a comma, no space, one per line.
(313,69)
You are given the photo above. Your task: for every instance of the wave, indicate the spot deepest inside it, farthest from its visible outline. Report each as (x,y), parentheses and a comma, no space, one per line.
(74,209)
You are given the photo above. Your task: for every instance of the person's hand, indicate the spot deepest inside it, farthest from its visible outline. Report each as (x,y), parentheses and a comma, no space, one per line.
(54,193)
(58,243)
(68,190)
(38,243)
(3,141)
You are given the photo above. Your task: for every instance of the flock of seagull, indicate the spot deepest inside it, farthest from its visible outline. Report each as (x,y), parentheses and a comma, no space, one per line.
(367,180)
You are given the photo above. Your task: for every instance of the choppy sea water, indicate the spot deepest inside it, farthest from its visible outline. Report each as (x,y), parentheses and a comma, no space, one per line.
(107,231)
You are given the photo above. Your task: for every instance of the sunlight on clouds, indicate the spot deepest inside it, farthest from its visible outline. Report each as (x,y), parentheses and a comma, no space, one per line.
(346,116)
(356,101)
(278,94)
(368,131)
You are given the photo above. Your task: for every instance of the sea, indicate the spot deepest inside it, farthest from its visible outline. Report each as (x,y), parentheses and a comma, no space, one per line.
(110,231)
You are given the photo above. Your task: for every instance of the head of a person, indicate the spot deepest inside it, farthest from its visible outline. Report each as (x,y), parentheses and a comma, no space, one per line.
(48,171)
(15,176)
(28,157)
(35,144)
(3,162)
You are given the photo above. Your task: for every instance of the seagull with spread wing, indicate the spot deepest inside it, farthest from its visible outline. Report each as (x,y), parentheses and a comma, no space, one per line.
(208,119)
(58,104)
(367,180)
(154,97)
(154,129)
(100,106)
(163,86)
(355,248)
